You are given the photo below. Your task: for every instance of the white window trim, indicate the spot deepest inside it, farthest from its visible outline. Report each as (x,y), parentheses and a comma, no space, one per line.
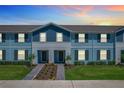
(1,54)
(20,38)
(81,38)
(103,54)
(59,38)
(22,55)
(103,38)
(43,37)
(0,37)
(81,55)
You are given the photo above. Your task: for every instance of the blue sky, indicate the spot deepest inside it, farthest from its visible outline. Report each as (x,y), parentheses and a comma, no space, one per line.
(84,15)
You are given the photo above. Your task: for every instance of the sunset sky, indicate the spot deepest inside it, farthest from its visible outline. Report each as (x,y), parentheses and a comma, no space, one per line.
(80,15)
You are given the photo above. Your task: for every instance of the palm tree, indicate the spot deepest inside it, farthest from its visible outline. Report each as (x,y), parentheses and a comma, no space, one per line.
(68,59)
(31,58)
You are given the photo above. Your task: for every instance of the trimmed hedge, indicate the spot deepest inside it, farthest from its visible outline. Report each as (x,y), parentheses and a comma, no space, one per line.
(111,62)
(14,62)
(97,63)
(79,63)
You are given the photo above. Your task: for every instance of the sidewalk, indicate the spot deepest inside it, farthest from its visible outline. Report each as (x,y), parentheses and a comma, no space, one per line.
(62,84)
(60,72)
(34,72)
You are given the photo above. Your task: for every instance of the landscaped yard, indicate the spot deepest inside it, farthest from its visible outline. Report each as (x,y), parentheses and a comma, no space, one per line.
(97,72)
(13,72)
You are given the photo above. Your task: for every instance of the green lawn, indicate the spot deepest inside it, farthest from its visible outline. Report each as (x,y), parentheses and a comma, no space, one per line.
(99,72)
(13,72)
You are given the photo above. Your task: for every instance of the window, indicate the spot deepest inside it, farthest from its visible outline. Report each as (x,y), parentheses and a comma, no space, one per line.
(103,38)
(0,37)
(59,37)
(42,37)
(81,54)
(1,54)
(21,37)
(81,38)
(103,54)
(21,54)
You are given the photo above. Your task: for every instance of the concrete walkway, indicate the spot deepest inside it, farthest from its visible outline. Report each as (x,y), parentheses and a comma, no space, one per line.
(34,72)
(60,72)
(62,84)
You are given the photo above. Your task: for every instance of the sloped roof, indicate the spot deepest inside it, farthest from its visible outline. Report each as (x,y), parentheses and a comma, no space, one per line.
(73,28)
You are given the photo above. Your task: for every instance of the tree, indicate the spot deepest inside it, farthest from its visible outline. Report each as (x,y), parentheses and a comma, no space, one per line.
(68,59)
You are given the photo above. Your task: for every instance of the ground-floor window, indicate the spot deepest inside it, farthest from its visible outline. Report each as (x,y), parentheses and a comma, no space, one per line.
(21,54)
(81,54)
(103,54)
(1,54)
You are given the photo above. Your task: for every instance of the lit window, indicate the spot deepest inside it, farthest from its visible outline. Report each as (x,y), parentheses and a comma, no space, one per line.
(1,54)
(42,37)
(81,38)
(21,37)
(81,54)
(103,54)
(0,37)
(21,54)
(103,38)
(59,37)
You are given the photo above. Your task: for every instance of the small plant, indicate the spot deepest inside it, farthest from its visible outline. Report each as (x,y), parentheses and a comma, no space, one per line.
(77,63)
(68,59)
(91,63)
(31,58)
(100,63)
(111,62)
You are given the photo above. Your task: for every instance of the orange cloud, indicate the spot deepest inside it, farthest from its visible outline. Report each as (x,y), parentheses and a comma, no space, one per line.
(76,10)
(119,8)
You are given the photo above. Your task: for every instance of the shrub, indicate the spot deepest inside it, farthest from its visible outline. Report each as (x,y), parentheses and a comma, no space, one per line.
(91,63)
(14,62)
(111,62)
(100,63)
(96,63)
(77,63)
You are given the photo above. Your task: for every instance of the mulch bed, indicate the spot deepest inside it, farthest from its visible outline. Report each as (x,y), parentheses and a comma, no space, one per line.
(48,72)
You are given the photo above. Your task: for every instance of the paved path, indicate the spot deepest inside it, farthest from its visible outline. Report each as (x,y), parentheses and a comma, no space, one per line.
(62,84)
(34,72)
(60,72)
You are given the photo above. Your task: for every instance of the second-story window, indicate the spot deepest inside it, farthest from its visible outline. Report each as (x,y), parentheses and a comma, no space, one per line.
(0,37)
(81,38)
(59,37)
(21,37)
(103,38)
(42,37)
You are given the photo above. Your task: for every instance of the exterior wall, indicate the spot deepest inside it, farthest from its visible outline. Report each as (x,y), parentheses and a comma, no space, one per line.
(119,45)
(50,47)
(92,46)
(69,44)
(10,45)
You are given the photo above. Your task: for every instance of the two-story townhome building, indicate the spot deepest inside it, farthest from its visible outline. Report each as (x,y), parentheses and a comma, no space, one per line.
(52,43)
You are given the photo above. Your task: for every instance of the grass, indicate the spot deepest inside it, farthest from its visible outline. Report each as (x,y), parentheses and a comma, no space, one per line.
(98,72)
(13,72)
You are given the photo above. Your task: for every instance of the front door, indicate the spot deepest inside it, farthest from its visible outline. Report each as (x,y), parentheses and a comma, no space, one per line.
(59,56)
(43,56)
